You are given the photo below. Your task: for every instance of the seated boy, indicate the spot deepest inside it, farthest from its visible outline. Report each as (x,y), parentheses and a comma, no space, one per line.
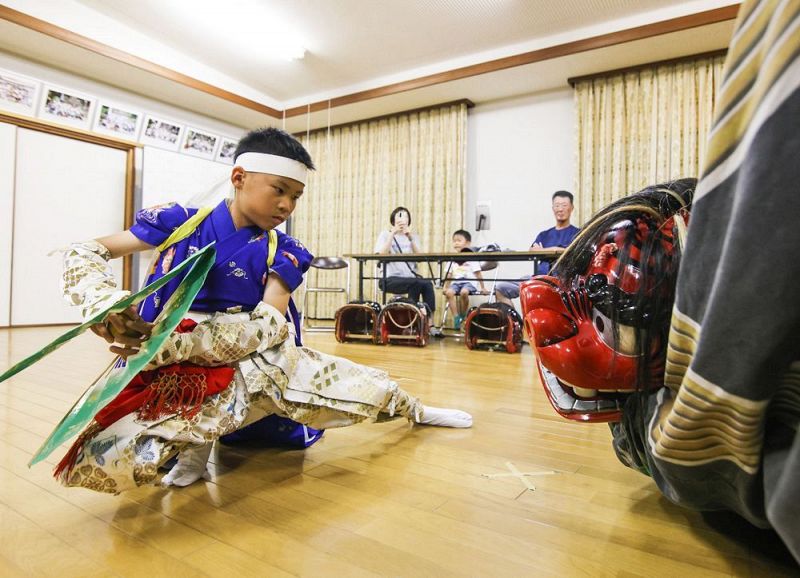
(460,277)
(236,362)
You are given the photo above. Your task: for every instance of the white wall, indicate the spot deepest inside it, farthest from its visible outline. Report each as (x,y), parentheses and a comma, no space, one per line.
(171,176)
(519,152)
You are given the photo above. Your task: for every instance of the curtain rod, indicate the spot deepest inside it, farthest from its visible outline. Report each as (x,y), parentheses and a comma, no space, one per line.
(464,101)
(711,54)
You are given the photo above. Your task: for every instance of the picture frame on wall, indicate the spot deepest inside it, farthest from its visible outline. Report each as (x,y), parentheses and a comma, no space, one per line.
(227,146)
(67,106)
(117,120)
(165,134)
(199,143)
(19,93)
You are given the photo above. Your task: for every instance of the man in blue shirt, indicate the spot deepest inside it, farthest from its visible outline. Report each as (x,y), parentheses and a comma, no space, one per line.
(559,236)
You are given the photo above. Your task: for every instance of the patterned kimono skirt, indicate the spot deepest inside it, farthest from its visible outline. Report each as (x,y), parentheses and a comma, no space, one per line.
(315,389)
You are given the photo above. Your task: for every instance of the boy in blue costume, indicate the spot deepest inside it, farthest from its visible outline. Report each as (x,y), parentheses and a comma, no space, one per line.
(245,314)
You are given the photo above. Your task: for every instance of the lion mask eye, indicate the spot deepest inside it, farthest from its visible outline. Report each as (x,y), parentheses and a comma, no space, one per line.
(626,335)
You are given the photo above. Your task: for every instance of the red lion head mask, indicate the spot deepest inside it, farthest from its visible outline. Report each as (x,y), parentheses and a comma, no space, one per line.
(599,326)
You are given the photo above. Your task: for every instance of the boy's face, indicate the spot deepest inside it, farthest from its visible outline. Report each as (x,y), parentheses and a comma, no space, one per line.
(265,200)
(459,242)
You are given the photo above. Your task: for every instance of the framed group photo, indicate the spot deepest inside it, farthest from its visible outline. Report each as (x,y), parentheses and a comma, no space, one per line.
(117,120)
(199,143)
(227,147)
(67,106)
(19,94)
(161,133)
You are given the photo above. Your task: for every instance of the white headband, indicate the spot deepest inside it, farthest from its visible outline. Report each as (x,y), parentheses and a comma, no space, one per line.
(273,165)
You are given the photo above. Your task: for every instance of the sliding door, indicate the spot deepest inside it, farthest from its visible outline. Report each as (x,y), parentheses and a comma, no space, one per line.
(65,190)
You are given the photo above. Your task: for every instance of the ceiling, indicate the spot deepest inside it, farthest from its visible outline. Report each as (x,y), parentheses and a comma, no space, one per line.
(351,46)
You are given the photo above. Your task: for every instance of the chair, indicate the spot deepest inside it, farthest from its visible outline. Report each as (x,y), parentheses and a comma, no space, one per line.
(485,266)
(325,264)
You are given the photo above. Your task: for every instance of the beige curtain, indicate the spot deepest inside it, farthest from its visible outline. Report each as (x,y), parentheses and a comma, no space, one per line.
(416,160)
(642,127)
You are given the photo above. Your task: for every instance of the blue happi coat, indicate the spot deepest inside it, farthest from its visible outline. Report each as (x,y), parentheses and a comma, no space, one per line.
(236,281)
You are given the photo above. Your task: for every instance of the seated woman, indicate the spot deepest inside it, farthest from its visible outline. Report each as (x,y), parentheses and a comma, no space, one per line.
(402,276)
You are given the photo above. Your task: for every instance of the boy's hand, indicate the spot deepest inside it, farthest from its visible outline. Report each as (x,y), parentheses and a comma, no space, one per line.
(127,329)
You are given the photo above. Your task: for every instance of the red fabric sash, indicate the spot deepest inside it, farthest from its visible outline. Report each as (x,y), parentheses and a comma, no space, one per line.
(147,393)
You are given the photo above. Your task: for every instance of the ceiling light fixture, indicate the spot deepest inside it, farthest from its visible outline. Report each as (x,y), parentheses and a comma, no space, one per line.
(246,24)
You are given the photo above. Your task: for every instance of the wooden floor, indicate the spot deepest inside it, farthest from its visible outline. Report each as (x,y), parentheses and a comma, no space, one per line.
(367,500)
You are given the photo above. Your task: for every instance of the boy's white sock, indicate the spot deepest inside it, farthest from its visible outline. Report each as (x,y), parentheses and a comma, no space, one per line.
(191,466)
(445,417)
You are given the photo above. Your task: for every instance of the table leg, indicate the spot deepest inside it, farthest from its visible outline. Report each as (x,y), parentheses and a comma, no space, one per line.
(360,280)
(383,289)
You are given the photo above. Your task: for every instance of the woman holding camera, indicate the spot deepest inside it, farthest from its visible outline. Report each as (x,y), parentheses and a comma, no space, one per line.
(402,276)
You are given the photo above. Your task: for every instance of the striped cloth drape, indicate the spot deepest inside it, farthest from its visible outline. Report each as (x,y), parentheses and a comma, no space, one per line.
(642,127)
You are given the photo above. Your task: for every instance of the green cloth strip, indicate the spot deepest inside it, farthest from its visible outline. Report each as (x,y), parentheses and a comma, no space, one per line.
(103,391)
